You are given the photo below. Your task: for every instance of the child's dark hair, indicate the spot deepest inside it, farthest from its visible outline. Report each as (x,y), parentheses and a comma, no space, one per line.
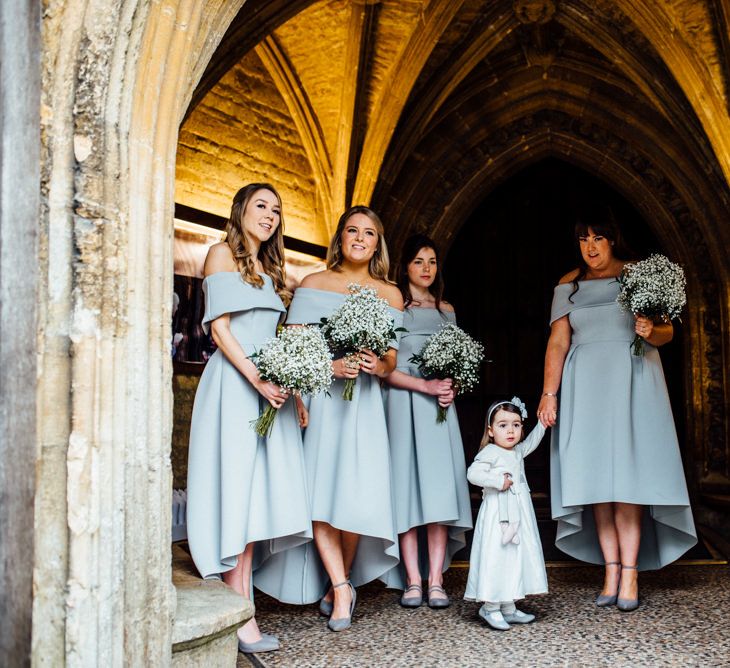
(489,419)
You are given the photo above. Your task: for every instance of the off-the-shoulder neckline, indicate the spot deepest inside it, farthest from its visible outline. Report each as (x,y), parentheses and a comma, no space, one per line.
(237,273)
(341,294)
(426,308)
(590,280)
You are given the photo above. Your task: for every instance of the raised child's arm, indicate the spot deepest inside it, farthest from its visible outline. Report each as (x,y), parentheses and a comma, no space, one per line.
(533,440)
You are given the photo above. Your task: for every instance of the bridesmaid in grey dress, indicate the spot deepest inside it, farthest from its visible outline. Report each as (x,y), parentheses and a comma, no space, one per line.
(346,445)
(432,507)
(617,483)
(247,495)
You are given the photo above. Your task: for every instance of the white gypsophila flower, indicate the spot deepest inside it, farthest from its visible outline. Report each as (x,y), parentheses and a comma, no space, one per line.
(362,321)
(451,353)
(654,288)
(298,359)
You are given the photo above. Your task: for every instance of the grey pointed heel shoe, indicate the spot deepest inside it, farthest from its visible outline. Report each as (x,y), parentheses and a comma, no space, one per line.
(438,603)
(627,604)
(268,643)
(344,623)
(325,606)
(604,600)
(412,601)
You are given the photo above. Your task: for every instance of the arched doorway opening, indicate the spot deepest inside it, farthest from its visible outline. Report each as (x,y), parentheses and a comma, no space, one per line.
(500,272)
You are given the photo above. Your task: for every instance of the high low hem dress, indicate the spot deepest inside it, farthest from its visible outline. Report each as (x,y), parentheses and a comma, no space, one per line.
(243,488)
(615,439)
(497,572)
(347,459)
(429,471)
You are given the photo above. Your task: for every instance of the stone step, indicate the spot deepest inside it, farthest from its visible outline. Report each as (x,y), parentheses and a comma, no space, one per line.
(207,615)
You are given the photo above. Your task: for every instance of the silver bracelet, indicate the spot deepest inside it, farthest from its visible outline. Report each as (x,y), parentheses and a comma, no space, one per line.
(549,394)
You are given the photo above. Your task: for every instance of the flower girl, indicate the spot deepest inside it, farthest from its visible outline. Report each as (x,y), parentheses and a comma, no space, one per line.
(506,556)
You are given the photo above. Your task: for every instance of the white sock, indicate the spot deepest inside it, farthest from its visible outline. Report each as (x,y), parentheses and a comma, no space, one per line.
(491,607)
(508,607)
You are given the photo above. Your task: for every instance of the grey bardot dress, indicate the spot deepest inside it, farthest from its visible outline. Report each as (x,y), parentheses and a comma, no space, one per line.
(348,470)
(429,471)
(242,488)
(615,438)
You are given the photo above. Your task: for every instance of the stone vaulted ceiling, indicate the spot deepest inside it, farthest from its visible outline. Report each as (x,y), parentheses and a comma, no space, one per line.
(421,107)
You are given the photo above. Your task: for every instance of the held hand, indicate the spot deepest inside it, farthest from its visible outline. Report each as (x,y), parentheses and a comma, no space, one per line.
(370,362)
(547,411)
(447,398)
(274,394)
(439,387)
(507,482)
(346,367)
(643,326)
(302,413)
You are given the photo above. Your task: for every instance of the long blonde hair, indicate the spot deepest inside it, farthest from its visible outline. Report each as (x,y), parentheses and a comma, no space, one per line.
(379,263)
(271,253)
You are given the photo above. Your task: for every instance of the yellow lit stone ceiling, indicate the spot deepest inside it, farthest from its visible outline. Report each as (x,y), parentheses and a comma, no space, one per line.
(421,107)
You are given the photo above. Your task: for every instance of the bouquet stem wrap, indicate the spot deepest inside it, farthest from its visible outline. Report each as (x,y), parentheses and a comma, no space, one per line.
(349,390)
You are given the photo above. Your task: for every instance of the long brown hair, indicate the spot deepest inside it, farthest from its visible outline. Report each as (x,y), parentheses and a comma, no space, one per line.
(412,246)
(271,253)
(379,262)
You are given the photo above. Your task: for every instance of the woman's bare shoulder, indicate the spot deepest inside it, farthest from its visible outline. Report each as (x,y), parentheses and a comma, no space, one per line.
(319,280)
(569,277)
(446,306)
(391,293)
(219,258)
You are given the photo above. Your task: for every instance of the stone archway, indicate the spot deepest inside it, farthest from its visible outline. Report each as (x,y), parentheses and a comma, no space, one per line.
(116,81)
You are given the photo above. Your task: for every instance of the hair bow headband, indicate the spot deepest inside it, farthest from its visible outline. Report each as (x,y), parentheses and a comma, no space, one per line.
(515,401)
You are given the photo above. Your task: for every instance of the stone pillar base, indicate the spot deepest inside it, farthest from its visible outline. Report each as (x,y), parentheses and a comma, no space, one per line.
(207,616)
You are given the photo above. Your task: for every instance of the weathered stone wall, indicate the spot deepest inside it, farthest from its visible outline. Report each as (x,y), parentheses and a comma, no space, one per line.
(116,78)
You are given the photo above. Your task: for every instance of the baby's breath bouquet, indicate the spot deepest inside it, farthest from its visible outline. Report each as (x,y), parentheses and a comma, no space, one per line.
(451,353)
(654,288)
(363,321)
(299,360)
